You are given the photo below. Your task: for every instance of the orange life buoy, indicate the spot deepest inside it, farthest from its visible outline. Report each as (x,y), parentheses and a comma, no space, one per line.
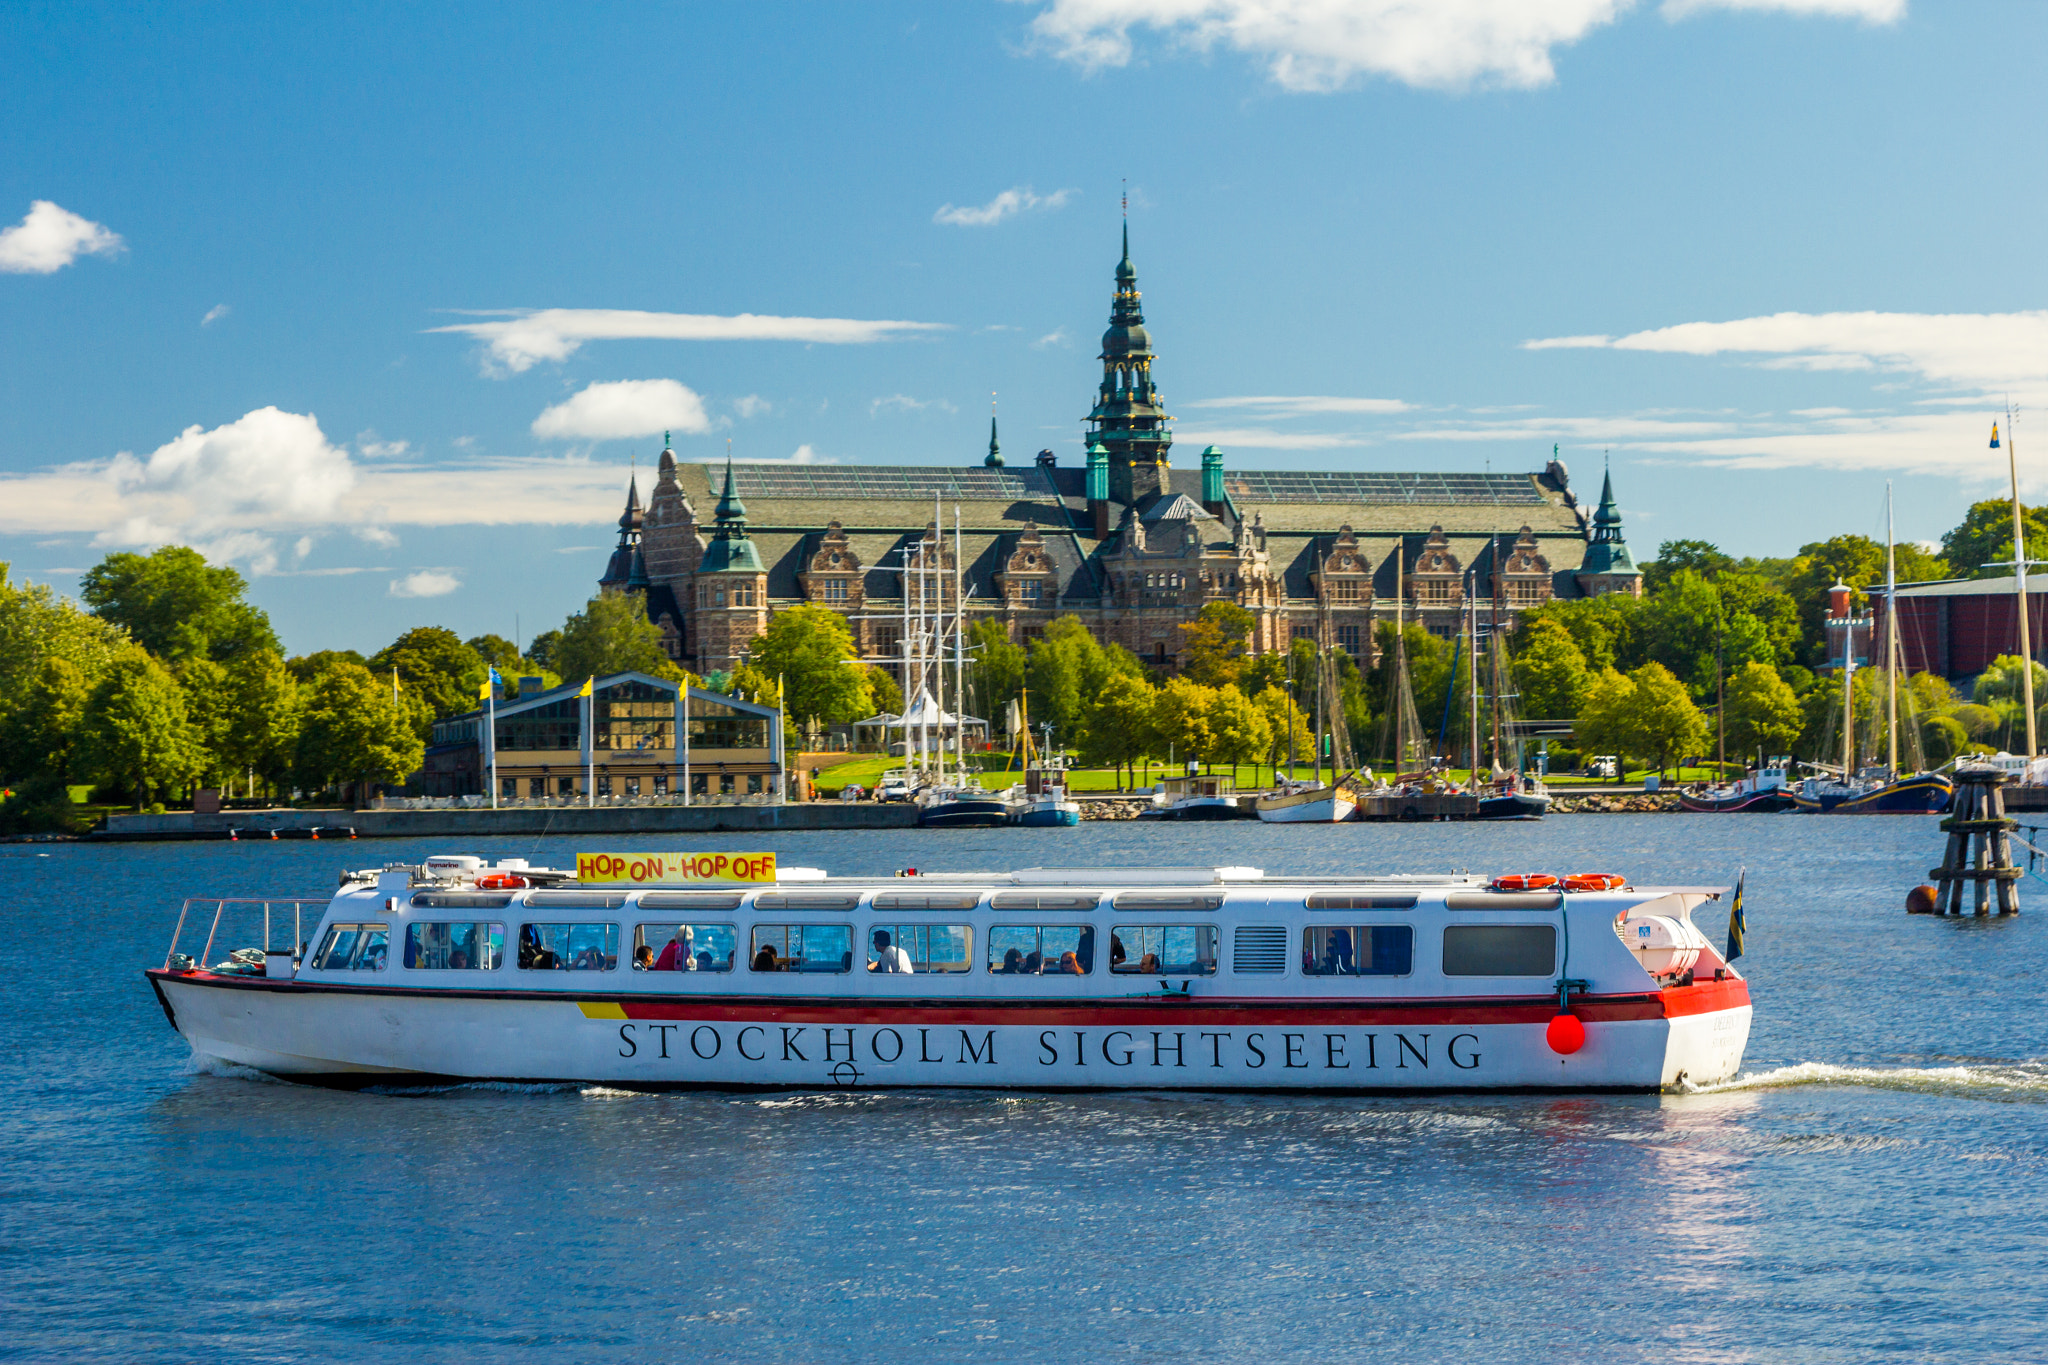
(501,881)
(1595,881)
(1525,881)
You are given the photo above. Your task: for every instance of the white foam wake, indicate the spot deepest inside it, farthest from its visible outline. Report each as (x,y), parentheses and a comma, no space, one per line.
(2026,1078)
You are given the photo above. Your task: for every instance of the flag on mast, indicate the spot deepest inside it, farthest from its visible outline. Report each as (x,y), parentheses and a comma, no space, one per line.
(1994,435)
(1738,924)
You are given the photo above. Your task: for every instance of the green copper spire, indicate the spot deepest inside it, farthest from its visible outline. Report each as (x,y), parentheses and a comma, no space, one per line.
(995,451)
(730,508)
(1128,420)
(1607,553)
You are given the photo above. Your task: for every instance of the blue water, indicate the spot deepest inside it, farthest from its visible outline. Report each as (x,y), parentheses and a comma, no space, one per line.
(1873,1189)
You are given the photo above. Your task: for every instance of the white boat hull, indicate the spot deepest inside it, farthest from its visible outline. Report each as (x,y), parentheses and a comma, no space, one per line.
(356,1037)
(1331,809)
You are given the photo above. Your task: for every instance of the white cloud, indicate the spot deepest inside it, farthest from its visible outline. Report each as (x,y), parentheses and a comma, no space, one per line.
(623,409)
(1262,438)
(806,454)
(425,583)
(1307,405)
(215,314)
(1869,11)
(903,402)
(752,405)
(1056,337)
(381,536)
(1011,202)
(50,238)
(268,466)
(1322,45)
(371,448)
(519,340)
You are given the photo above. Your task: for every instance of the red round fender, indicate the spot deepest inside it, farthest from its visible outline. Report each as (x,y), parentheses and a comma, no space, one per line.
(1565,1034)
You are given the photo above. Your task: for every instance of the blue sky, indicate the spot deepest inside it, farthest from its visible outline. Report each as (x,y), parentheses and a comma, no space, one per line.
(1768,253)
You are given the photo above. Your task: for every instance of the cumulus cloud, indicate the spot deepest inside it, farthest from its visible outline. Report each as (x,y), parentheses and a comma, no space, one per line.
(268,466)
(903,402)
(751,405)
(623,409)
(425,583)
(215,314)
(1322,45)
(515,341)
(1011,202)
(1056,337)
(50,238)
(1265,438)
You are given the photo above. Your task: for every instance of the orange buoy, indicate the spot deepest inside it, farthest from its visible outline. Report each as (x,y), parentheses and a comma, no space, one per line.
(1595,881)
(1525,881)
(1565,1035)
(1922,900)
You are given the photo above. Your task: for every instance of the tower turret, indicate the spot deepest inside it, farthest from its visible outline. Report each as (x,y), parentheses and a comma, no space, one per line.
(618,573)
(995,451)
(1212,481)
(1608,566)
(1097,487)
(1128,421)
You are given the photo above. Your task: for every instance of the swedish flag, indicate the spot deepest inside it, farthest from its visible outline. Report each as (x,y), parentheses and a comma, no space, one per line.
(1738,925)
(585,690)
(1994,435)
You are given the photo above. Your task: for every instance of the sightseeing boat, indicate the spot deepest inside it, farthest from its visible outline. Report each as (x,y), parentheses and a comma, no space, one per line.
(674,971)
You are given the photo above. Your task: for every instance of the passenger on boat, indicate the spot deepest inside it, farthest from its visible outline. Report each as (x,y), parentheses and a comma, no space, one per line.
(888,958)
(1033,964)
(1149,963)
(1116,952)
(1337,960)
(458,961)
(1070,965)
(1013,963)
(704,961)
(678,955)
(643,958)
(765,961)
(533,954)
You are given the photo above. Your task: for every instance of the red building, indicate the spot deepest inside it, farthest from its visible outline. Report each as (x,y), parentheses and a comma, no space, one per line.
(1957,628)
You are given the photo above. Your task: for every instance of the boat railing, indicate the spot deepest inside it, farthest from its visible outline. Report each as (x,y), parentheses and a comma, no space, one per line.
(242,912)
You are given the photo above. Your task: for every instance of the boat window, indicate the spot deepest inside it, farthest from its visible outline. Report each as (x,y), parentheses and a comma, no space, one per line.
(1174,900)
(1043,900)
(808,900)
(802,948)
(945,900)
(577,900)
(1041,949)
(1359,900)
(685,947)
(568,947)
(1260,949)
(919,947)
(1358,950)
(1163,949)
(461,900)
(1500,949)
(690,900)
(437,947)
(353,947)
(1503,900)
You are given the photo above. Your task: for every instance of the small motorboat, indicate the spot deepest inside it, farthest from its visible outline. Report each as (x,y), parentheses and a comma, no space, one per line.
(1040,801)
(961,805)
(1763,789)
(1197,797)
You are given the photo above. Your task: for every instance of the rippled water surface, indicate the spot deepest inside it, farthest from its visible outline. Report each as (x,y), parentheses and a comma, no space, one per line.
(1872,1188)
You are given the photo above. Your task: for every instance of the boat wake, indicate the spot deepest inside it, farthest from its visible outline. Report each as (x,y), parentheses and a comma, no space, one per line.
(199,1064)
(2024,1080)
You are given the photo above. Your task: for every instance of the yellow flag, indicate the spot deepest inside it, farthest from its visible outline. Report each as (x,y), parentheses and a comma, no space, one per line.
(586,687)
(484,693)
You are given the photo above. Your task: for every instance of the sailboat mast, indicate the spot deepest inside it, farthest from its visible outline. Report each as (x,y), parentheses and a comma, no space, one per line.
(2019,577)
(1400,658)
(1493,643)
(1891,636)
(959,655)
(1472,651)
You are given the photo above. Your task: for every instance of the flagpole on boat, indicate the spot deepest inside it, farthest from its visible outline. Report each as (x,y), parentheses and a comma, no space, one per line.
(2019,574)
(1891,634)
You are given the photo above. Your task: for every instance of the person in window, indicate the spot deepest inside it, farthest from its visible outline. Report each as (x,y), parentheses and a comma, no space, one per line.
(1149,963)
(888,957)
(1116,953)
(677,955)
(1337,960)
(643,958)
(458,961)
(1070,965)
(1013,963)
(704,963)
(765,961)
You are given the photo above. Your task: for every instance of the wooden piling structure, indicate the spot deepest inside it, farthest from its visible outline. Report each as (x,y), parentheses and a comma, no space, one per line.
(1979,846)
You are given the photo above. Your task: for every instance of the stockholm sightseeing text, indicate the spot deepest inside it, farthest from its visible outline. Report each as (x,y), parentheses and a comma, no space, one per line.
(1071,1048)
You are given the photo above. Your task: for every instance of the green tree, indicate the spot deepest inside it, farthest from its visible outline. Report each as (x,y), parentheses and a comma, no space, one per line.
(38,735)
(1180,718)
(1744,618)
(1237,727)
(211,710)
(1549,670)
(307,667)
(996,676)
(136,731)
(37,626)
(542,649)
(1666,724)
(1856,561)
(263,731)
(1066,669)
(1984,538)
(176,605)
(610,635)
(811,650)
(1216,642)
(1606,723)
(1286,723)
(882,687)
(1763,715)
(497,651)
(353,733)
(1943,737)
(1604,628)
(1699,556)
(433,664)
(1121,728)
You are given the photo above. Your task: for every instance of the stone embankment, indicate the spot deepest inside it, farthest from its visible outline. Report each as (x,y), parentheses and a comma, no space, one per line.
(1642,804)
(1114,808)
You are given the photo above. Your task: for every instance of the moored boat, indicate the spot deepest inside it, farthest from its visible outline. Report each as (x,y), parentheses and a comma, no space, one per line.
(961,805)
(671,971)
(1307,803)
(1763,789)
(1197,796)
(1040,801)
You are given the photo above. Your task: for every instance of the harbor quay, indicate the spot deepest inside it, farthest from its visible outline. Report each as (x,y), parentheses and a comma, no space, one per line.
(394,824)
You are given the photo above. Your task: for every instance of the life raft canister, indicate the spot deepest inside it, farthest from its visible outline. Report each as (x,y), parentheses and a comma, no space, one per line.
(1595,881)
(1525,881)
(501,881)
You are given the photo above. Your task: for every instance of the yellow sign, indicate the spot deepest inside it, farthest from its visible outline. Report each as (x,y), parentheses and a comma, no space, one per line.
(667,869)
